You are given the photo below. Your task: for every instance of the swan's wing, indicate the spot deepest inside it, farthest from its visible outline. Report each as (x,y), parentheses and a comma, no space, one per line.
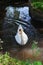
(25,38)
(18,38)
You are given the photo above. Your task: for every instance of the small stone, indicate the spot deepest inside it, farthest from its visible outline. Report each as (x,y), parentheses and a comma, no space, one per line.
(1,41)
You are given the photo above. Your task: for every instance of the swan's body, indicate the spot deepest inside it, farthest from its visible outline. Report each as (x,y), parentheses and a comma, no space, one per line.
(21,37)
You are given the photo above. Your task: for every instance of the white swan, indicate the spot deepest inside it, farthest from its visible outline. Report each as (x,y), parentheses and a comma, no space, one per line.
(21,38)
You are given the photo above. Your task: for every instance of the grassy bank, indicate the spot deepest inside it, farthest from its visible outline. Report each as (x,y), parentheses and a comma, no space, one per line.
(7,60)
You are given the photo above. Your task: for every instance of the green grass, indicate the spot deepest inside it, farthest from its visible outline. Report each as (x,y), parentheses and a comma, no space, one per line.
(7,60)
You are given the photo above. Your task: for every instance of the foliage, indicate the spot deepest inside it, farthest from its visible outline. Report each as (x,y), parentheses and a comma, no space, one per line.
(35,48)
(37,1)
(7,60)
(34,45)
(16,14)
(38,5)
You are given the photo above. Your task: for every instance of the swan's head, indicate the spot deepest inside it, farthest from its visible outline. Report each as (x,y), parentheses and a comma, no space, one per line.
(20,29)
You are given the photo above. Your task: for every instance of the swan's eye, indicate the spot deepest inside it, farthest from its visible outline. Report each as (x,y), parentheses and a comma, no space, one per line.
(19,29)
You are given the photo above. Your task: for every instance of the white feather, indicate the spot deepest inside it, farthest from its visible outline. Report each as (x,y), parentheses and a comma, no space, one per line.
(21,38)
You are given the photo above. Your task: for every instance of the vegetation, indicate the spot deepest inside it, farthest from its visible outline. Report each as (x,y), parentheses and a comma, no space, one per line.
(7,60)
(16,14)
(37,1)
(34,45)
(38,4)
(35,49)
